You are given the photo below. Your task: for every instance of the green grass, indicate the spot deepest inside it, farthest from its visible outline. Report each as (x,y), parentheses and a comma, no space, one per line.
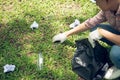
(19,45)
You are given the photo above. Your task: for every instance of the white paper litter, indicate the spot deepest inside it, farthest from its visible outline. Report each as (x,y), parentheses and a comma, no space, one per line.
(8,68)
(34,25)
(75,23)
(93,1)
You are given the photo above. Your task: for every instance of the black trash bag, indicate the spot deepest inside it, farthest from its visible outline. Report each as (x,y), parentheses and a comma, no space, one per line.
(90,63)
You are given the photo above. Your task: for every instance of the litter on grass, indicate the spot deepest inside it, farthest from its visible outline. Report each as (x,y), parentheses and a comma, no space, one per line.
(8,68)
(93,1)
(34,25)
(40,61)
(74,24)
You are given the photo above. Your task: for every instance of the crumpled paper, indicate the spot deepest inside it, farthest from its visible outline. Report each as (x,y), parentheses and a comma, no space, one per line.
(74,24)
(93,1)
(34,25)
(8,68)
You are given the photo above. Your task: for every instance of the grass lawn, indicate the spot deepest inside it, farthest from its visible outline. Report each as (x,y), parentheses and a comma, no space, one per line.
(20,45)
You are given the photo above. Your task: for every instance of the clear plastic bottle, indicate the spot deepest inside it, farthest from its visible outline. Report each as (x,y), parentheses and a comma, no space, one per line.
(40,61)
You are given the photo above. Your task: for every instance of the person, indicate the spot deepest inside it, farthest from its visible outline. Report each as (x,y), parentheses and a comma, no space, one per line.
(104,26)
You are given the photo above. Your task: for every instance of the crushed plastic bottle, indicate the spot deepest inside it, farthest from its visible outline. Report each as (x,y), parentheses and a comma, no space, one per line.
(40,61)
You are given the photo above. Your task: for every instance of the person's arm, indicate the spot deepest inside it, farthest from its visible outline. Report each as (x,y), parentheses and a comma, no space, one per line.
(110,36)
(89,23)
(80,28)
(61,37)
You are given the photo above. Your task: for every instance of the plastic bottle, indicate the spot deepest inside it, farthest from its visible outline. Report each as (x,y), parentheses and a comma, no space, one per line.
(40,61)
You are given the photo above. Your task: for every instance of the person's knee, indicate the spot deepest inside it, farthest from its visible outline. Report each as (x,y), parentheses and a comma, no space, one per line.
(115,51)
(115,55)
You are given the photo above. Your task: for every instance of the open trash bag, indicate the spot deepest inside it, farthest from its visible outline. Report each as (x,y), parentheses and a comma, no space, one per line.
(88,62)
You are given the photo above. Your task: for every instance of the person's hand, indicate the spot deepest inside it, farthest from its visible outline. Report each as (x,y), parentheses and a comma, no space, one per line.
(94,35)
(61,37)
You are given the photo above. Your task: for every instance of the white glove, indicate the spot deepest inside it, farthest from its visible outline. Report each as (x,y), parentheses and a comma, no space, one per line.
(94,35)
(61,37)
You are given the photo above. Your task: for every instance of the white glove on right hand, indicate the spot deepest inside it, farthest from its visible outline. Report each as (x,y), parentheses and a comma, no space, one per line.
(94,35)
(61,37)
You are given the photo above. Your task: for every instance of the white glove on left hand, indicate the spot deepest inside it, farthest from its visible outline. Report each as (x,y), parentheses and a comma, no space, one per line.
(61,37)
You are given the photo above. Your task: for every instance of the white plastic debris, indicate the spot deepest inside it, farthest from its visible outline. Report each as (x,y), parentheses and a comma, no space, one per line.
(79,61)
(40,61)
(75,23)
(93,1)
(34,25)
(8,68)
(92,42)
